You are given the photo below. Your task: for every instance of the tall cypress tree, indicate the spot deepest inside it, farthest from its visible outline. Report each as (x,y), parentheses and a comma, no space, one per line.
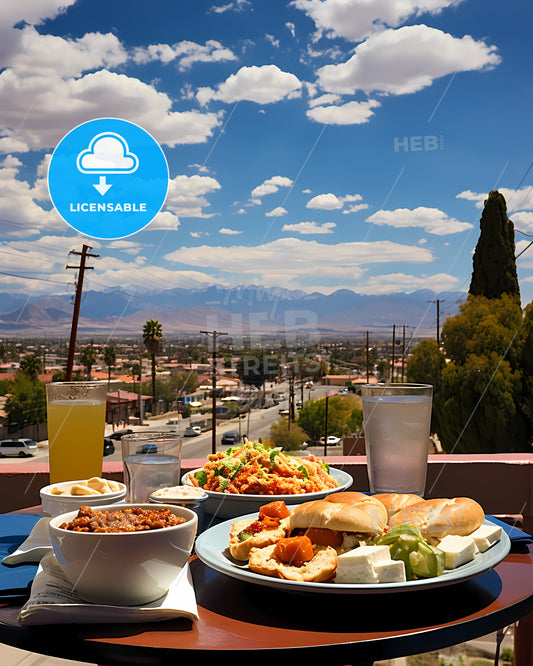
(494,271)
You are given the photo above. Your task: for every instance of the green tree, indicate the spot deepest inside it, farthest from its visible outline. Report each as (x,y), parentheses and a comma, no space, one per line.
(26,403)
(31,366)
(110,359)
(88,358)
(290,439)
(256,368)
(481,402)
(152,338)
(312,416)
(494,265)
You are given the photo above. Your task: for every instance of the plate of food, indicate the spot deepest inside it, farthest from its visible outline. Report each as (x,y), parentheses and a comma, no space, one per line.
(242,478)
(347,544)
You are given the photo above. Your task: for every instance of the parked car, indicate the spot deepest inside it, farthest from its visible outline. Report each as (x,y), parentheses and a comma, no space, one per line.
(173,422)
(120,433)
(230,438)
(332,440)
(192,431)
(343,391)
(149,448)
(20,447)
(109,447)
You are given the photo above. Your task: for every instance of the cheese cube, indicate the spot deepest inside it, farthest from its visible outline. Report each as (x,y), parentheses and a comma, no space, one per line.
(485,536)
(457,550)
(358,565)
(390,572)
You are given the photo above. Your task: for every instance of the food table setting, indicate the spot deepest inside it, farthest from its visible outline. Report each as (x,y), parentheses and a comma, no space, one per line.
(258,555)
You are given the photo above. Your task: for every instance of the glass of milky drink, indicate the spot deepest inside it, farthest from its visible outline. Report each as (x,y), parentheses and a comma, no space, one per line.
(151,460)
(76,423)
(397,419)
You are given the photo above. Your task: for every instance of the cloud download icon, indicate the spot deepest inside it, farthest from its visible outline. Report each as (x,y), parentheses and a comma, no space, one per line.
(108,147)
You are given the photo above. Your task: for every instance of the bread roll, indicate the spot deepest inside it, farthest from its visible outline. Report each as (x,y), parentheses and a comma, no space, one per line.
(438,517)
(320,568)
(240,550)
(365,517)
(347,497)
(393,502)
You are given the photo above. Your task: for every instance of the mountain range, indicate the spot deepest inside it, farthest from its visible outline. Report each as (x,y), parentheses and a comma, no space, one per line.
(244,311)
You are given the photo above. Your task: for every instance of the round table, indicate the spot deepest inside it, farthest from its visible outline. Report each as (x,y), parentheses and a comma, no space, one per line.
(243,623)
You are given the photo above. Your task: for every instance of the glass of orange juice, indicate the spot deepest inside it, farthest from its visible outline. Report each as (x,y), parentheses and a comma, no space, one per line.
(76,423)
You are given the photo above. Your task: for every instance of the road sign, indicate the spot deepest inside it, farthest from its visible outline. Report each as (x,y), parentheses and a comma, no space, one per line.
(108,178)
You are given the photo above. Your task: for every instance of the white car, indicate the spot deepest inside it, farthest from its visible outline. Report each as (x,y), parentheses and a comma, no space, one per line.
(18,447)
(192,431)
(332,440)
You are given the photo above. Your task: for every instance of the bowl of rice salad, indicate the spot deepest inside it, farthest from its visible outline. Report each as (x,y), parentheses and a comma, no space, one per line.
(238,480)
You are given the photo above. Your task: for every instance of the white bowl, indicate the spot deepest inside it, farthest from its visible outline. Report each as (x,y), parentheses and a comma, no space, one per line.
(54,505)
(123,568)
(229,505)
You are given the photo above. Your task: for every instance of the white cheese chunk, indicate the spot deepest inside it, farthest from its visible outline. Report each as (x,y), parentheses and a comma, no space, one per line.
(390,572)
(358,565)
(485,536)
(457,550)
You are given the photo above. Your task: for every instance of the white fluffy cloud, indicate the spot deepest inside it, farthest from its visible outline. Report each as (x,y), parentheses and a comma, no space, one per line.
(403,282)
(432,220)
(405,60)
(351,113)
(325,202)
(289,260)
(516,200)
(263,85)
(357,19)
(186,195)
(276,212)
(186,53)
(270,186)
(49,82)
(310,228)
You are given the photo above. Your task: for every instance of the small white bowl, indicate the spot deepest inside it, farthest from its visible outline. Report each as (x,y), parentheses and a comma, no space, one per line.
(54,505)
(123,568)
(189,496)
(230,505)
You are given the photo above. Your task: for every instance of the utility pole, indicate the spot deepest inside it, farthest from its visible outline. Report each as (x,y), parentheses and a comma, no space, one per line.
(77,302)
(438,302)
(367,360)
(403,354)
(393,343)
(214,334)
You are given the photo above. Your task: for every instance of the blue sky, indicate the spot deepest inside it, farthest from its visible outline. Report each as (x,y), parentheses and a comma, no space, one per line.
(311,145)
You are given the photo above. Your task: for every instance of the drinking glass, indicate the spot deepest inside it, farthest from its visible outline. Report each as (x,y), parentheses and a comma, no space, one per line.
(76,424)
(397,419)
(151,460)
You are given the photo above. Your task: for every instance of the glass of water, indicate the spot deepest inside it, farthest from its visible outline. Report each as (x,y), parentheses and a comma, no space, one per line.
(151,460)
(397,420)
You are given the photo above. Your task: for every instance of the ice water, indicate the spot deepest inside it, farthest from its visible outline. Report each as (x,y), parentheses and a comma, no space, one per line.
(397,442)
(145,473)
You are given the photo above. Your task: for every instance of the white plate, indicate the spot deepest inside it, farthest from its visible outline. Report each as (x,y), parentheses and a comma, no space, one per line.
(229,505)
(212,549)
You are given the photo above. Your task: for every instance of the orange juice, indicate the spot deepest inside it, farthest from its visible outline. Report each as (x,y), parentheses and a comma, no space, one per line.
(75,439)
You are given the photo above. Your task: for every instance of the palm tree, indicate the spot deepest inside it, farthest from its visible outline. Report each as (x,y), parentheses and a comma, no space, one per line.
(152,337)
(88,358)
(110,358)
(31,366)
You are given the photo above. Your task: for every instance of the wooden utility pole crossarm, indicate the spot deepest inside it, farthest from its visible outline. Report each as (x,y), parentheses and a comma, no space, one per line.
(75,315)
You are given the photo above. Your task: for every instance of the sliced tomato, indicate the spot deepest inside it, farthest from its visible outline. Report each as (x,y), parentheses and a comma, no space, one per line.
(324,537)
(294,550)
